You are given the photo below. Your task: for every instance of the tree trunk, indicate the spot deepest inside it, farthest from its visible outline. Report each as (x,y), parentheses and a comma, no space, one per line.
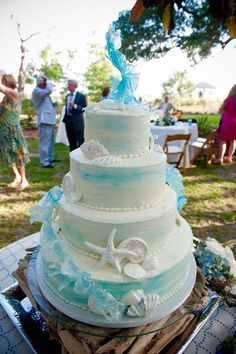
(22,75)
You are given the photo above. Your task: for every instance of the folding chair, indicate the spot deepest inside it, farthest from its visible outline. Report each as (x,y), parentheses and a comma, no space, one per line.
(178,151)
(204,146)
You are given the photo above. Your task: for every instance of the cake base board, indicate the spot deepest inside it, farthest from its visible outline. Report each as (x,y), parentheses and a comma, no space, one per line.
(79,314)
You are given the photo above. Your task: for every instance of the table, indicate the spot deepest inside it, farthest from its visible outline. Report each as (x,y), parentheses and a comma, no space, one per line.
(160,132)
(221,323)
(61,136)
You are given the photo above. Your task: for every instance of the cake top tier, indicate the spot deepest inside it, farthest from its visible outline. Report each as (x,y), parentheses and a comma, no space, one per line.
(123,129)
(123,109)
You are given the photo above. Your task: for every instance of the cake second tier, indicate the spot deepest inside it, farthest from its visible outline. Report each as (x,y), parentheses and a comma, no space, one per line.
(128,184)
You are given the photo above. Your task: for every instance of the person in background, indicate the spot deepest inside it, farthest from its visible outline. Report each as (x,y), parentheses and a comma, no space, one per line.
(166,106)
(46,120)
(227,128)
(75,104)
(105,93)
(13,147)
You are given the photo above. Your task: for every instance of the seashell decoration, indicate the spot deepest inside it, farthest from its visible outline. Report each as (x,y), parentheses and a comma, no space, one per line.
(69,189)
(132,297)
(150,264)
(136,245)
(147,304)
(93,149)
(107,160)
(93,307)
(134,271)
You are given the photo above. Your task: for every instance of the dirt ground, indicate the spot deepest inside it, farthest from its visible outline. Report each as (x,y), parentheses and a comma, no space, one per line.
(30,133)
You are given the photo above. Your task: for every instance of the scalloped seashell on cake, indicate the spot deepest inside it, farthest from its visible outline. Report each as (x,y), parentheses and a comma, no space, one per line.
(69,189)
(93,149)
(107,160)
(132,297)
(136,245)
(134,270)
(147,304)
(150,264)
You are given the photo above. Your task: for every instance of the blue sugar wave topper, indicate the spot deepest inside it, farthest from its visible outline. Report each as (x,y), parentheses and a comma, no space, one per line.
(121,90)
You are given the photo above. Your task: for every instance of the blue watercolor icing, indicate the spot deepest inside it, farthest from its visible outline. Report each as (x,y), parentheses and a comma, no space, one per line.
(104,175)
(113,125)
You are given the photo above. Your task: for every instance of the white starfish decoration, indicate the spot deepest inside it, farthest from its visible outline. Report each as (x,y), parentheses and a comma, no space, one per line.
(110,254)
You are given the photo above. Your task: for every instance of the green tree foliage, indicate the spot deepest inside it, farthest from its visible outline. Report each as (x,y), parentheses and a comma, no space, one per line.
(48,64)
(98,72)
(195,32)
(178,85)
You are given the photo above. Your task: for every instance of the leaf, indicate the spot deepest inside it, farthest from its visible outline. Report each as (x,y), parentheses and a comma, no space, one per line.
(136,11)
(231,25)
(168,17)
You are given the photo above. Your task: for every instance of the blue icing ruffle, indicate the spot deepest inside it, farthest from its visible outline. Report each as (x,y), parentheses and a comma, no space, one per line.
(54,254)
(174,179)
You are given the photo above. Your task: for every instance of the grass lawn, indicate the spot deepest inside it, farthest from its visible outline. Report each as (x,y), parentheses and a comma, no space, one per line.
(210,191)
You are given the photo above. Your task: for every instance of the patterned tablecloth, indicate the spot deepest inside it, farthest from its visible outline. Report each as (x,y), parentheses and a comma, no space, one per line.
(220,324)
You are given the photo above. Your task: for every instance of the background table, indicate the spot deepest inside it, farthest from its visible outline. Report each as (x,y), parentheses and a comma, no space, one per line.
(221,323)
(160,132)
(61,136)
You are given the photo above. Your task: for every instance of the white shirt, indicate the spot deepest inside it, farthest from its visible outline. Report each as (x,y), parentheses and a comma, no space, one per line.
(71,98)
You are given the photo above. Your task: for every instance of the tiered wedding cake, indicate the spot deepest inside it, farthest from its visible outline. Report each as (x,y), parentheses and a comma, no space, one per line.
(113,246)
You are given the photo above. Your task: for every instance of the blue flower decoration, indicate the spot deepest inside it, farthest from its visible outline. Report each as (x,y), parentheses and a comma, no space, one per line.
(212,265)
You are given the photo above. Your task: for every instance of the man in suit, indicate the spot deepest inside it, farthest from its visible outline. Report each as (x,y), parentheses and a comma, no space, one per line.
(74,117)
(46,120)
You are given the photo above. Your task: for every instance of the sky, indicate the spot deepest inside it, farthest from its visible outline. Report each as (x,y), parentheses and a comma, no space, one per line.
(75,24)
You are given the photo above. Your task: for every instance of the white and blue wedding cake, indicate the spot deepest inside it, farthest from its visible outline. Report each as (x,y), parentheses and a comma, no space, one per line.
(114,249)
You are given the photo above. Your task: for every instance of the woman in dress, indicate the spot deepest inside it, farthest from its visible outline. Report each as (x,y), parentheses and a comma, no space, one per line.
(227,128)
(13,147)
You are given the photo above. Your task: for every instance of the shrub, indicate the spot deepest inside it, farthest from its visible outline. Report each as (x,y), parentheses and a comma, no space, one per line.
(27,108)
(206,125)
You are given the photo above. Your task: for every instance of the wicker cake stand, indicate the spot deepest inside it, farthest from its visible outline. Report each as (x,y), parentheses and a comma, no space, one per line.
(165,335)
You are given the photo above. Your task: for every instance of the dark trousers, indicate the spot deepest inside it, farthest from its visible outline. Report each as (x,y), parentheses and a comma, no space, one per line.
(75,137)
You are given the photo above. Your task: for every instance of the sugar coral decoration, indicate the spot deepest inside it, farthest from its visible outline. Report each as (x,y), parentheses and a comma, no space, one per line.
(110,254)
(136,11)
(69,189)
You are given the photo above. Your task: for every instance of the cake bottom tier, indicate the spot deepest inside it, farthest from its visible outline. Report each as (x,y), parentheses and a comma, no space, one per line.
(60,268)
(82,314)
